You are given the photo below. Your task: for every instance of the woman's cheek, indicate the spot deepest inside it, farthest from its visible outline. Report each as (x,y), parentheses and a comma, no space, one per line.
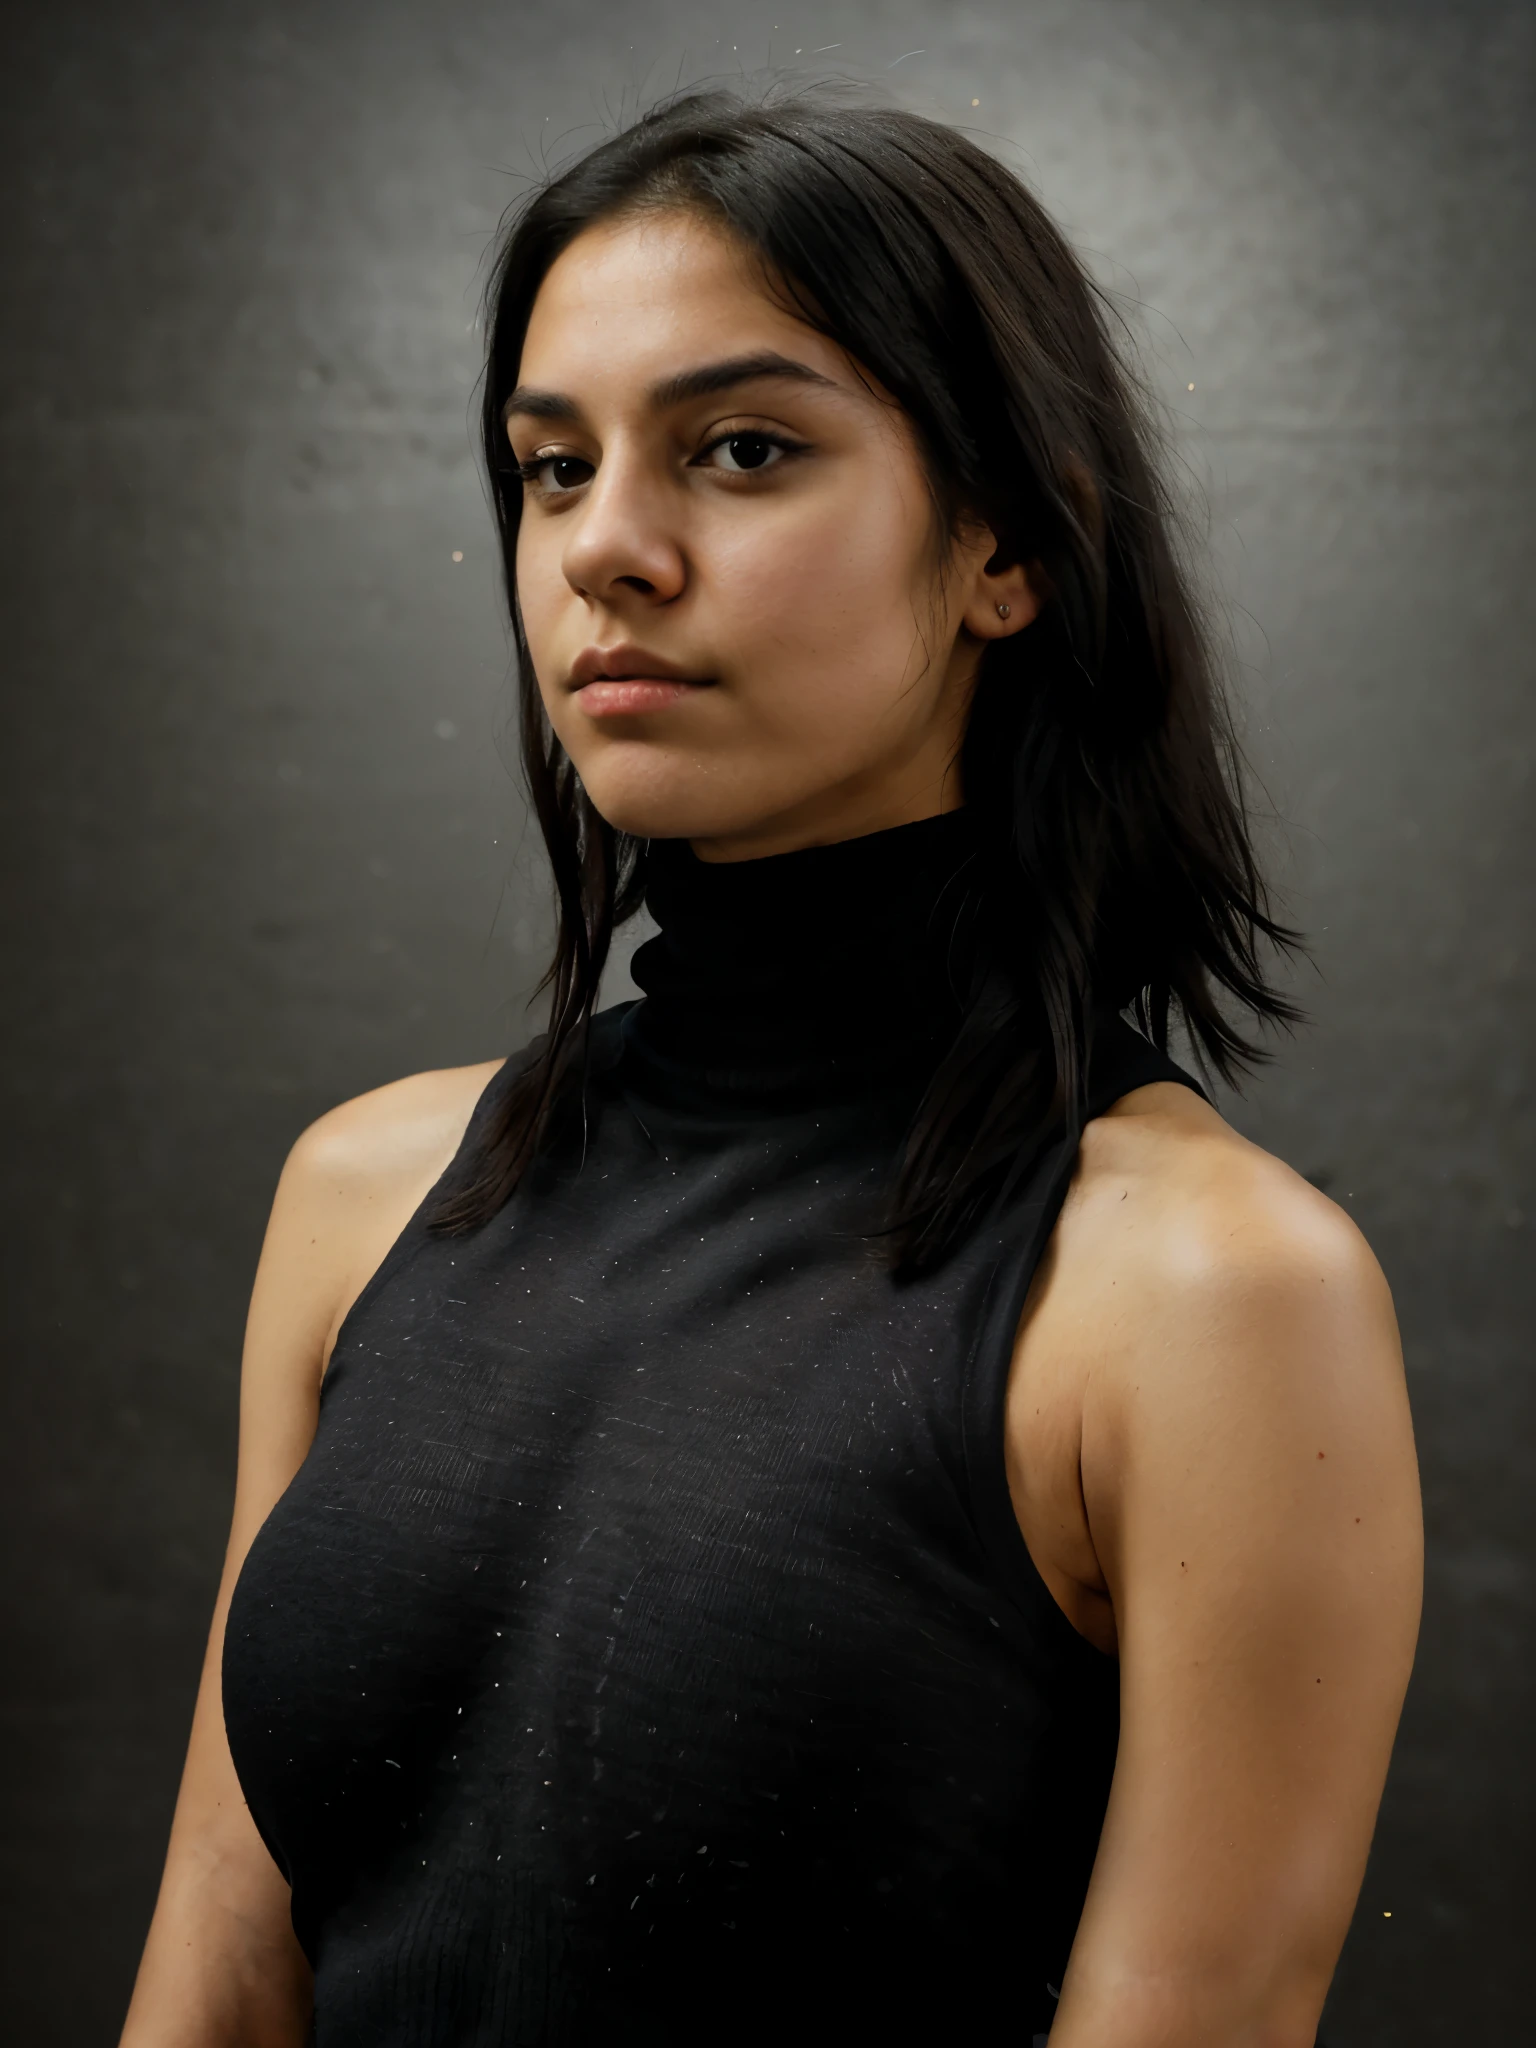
(543,592)
(798,628)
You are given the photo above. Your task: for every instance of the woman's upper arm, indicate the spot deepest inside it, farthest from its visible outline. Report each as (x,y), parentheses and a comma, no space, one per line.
(1249,1476)
(349,1187)
(221,1963)
(298,1284)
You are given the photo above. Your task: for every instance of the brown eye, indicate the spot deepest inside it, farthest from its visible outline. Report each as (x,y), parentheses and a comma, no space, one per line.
(555,475)
(745,452)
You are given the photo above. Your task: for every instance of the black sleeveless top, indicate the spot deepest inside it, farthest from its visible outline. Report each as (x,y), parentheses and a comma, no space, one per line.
(646,1650)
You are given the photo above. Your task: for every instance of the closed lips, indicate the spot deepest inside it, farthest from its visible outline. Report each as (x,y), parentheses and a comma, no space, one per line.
(628,664)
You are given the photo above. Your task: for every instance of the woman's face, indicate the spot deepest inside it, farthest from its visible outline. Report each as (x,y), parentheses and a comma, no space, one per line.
(740,620)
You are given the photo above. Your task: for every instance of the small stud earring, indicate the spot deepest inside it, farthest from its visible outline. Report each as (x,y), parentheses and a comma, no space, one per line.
(1003,610)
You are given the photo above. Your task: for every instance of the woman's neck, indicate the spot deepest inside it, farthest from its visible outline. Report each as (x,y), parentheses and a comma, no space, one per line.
(832,817)
(826,969)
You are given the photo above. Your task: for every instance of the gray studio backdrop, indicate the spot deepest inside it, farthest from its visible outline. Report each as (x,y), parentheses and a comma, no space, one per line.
(262,850)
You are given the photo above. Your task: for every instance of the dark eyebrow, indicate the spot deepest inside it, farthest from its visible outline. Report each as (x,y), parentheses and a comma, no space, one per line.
(702,382)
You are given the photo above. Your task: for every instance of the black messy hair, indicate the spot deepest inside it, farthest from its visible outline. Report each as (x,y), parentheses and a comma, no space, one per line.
(1115,866)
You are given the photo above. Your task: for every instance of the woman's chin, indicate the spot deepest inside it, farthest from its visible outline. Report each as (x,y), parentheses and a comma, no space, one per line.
(658,809)
(704,827)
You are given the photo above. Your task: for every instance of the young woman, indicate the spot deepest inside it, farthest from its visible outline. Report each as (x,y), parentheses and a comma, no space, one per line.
(840,1500)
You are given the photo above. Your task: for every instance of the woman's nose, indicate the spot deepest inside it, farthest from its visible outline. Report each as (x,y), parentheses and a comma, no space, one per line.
(622,538)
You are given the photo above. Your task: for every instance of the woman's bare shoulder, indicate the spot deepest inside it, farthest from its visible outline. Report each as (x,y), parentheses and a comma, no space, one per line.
(1194,1207)
(351,1183)
(365,1148)
(1217,1288)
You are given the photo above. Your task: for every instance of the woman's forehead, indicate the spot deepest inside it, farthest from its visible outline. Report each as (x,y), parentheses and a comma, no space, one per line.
(633,303)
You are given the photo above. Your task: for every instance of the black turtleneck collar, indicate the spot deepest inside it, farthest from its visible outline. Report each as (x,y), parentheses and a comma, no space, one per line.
(827,971)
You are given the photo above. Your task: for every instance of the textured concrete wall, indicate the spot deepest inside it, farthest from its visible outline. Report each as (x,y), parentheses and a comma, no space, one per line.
(261,850)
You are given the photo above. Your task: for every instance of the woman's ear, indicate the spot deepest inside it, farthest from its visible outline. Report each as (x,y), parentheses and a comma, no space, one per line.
(1002,600)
